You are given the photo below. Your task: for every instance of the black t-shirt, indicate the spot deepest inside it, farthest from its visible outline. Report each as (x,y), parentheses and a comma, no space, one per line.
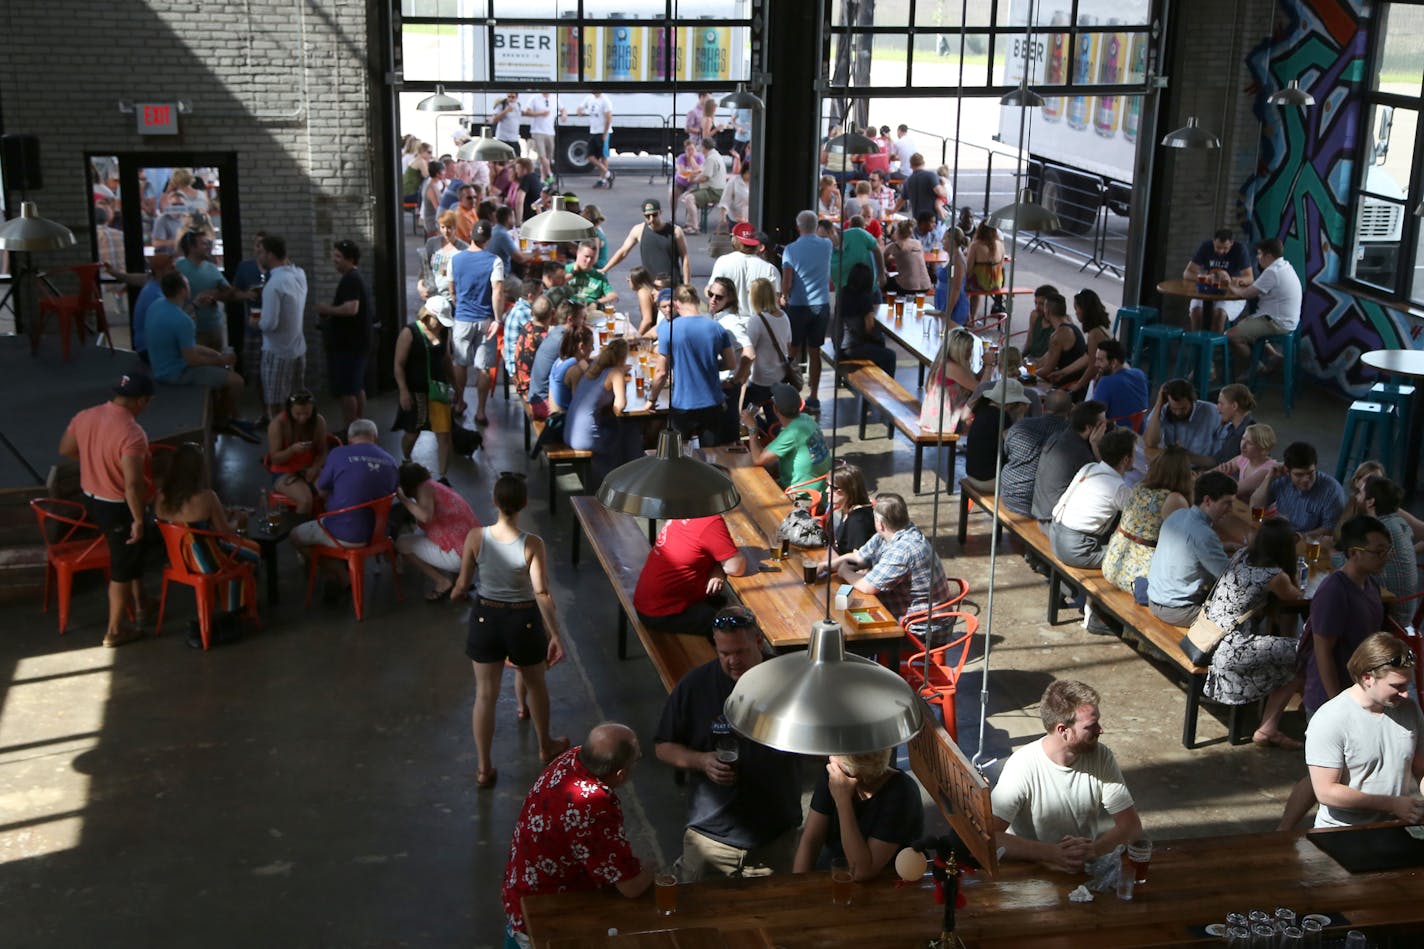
(1062,456)
(350,334)
(532,186)
(854,307)
(857,528)
(766,800)
(1233,261)
(981,454)
(893,814)
(919,191)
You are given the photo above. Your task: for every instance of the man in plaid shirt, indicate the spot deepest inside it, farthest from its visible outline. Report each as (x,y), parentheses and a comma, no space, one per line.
(900,564)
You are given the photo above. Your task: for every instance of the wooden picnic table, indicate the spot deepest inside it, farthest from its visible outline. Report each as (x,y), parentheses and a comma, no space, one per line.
(1193,883)
(784,604)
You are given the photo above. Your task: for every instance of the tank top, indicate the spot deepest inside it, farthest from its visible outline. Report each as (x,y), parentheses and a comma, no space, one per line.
(1077,351)
(302,459)
(504,576)
(659,250)
(559,392)
(581,429)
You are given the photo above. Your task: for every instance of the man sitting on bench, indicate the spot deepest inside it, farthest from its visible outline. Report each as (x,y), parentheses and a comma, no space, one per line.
(1064,455)
(1051,796)
(1084,517)
(1189,557)
(680,588)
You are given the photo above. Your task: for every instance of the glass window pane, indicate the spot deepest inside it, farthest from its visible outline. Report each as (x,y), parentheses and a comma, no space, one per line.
(1378,227)
(887,61)
(936,59)
(444,53)
(1124,12)
(1394,133)
(1416,287)
(1402,52)
(452,8)
(1099,58)
(947,13)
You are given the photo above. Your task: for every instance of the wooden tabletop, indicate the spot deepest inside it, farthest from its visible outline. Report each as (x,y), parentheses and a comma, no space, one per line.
(1192,883)
(699,937)
(1398,362)
(784,604)
(918,333)
(1188,288)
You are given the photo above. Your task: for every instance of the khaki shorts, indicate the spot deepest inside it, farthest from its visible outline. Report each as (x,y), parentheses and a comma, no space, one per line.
(543,146)
(1257,327)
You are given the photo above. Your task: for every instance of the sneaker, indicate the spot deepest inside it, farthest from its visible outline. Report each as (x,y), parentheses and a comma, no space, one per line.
(612,175)
(813,406)
(599,184)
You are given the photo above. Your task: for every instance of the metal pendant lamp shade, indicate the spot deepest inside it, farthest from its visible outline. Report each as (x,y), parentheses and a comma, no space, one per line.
(1292,94)
(1023,97)
(824,701)
(439,102)
(852,143)
(742,99)
(30,232)
(485,148)
(1024,215)
(1191,135)
(668,485)
(557,226)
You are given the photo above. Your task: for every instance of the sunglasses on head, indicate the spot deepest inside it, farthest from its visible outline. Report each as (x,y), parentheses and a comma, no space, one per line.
(734,621)
(1405,661)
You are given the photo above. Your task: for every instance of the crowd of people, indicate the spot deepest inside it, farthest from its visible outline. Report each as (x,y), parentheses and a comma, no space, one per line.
(1178,501)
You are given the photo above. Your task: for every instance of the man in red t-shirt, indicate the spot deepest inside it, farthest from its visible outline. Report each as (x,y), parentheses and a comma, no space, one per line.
(111,450)
(680,588)
(569,837)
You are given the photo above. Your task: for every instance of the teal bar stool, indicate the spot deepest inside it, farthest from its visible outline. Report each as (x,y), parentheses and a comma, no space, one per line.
(1159,336)
(1401,396)
(1197,354)
(1134,318)
(1287,345)
(1373,422)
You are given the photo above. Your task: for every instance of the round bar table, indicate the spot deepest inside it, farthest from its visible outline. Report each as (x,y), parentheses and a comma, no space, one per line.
(1410,364)
(1181,287)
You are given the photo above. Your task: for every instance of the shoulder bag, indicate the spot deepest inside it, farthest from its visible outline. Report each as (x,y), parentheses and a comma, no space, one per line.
(790,374)
(435,391)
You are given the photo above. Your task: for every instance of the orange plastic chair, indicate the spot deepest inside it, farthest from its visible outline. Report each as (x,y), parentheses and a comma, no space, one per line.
(276,499)
(70,310)
(206,586)
(1135,420)
(935,674)
(72,545)
(355,557)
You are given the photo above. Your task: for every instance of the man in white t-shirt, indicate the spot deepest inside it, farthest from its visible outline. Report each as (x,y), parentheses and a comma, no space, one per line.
(600,132)
(541,129)
(506,121)
(1277,293)
(1087,511)
(743,265)
(706,185)
(1061,801)
(901,149)
(1362,747)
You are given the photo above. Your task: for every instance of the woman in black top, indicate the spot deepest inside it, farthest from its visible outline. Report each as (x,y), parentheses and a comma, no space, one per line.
(852,516)
(1096,327)
(423,356)
(860,337)
(981,453)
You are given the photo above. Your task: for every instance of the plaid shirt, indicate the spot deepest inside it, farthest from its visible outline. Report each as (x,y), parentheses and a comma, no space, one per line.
(906,571)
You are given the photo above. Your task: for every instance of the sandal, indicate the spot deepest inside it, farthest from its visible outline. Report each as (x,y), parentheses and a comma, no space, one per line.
(486,779)
(1277,740)
(558,747)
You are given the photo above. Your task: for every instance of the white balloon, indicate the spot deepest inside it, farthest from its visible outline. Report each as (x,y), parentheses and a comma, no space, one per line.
(910,864)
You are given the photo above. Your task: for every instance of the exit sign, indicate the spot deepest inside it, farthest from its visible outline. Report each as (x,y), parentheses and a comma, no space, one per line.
(157,118)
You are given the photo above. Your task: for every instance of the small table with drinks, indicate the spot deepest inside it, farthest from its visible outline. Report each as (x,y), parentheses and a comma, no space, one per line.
(269,528)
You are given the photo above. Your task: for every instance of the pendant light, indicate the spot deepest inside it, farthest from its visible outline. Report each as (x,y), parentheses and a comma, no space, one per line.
(824,701)
(439,102)
(667,485)
(1292,94)
(852,143)
(1191,135)
(557,226)
(1023,97)
(1024,215)
(30,232)
(742,99)
(485,148)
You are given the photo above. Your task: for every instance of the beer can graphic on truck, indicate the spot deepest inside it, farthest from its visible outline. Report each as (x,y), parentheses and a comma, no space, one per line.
(665,53)
(708,55)
(569,41)
(1083,58)
(618,52)
(1132,108)
(1105,113)
(1054,69)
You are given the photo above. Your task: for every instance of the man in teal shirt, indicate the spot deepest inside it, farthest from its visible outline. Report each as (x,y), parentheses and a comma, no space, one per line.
(799,450)
(857,246)
(208,286)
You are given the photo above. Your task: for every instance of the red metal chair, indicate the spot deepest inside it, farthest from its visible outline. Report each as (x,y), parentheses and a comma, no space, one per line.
(355,557)
(207,587)
(1412,637)
(275,498)
(72,545)
(1135,420)
(70,310)
(935,674)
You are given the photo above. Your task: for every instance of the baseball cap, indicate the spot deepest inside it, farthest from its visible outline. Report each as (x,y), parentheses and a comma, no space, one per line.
(746,235)
(651,205)
(786,399)
(134,385)
(664,294)
(439,307)
(481,233)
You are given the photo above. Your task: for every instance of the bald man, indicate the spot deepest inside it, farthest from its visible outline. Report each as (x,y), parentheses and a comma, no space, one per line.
(550,853)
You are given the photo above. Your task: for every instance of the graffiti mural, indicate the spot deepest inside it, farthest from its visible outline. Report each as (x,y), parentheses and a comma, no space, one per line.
(1300,191)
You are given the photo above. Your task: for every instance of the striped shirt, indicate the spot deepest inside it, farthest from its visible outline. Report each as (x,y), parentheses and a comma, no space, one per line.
(1311,510)
(1023,443)
(906,570)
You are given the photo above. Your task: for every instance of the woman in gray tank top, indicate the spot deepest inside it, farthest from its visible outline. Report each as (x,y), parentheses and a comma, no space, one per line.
(512,617)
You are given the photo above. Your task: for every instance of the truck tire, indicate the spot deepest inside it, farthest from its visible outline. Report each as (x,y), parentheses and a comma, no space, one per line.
(1074,198)
(572,153)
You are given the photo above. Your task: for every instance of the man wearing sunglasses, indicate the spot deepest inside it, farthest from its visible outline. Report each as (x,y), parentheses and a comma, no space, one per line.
(744,798)
(662,245)
(1362,747)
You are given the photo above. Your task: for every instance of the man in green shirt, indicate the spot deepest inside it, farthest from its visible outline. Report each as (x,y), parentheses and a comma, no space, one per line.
(856,246)
(586,283)
(798,451)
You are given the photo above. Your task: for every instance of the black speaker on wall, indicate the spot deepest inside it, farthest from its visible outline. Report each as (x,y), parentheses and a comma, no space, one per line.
(20,159)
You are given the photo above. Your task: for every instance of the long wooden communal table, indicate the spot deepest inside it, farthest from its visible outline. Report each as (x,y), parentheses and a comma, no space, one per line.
(784,604)
(1192,883)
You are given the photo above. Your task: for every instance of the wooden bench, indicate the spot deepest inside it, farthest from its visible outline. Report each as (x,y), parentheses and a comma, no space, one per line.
(560,457)
(900,411)
(414,209)
(619,544)
(1106,599)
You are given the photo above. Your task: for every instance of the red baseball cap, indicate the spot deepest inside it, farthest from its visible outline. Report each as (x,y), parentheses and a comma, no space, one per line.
(746,235)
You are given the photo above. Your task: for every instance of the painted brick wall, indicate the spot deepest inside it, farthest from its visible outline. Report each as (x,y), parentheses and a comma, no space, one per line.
(282,83)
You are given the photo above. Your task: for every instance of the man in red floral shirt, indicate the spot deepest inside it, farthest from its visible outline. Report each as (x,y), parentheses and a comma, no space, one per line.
(569,837)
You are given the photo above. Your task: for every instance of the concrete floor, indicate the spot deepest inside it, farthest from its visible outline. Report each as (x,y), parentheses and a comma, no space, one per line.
(313,784)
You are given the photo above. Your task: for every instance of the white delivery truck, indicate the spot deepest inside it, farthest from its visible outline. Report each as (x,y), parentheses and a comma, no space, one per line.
(1081,147)
(643,122)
